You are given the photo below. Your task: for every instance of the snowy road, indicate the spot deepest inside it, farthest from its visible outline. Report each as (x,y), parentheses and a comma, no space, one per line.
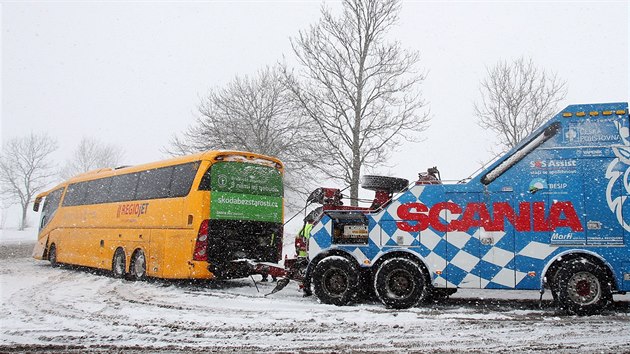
(46,308)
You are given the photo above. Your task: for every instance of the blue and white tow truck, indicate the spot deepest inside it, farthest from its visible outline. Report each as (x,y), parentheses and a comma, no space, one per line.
(552,213)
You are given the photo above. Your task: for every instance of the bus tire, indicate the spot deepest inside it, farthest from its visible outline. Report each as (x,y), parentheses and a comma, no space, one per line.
(52,255)
(400,283)
(119,264)
(138,266)
(583,287)
(335,280)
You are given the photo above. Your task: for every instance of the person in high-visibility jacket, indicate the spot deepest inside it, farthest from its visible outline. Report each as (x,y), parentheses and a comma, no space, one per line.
(301,240)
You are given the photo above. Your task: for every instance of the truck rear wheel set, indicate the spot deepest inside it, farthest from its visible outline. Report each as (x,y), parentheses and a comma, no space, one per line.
(398,283)
(581,287)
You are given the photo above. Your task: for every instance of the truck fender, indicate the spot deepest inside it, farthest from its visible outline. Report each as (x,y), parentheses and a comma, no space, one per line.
(407,254)
(572,252)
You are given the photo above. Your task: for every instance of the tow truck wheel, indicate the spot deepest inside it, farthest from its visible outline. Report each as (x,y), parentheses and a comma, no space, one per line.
(583,288)
(400,283)
(118,264)
(335,280)
(138,266)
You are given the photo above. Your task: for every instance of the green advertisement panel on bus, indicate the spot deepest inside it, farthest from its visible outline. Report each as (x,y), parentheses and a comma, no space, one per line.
(244,191)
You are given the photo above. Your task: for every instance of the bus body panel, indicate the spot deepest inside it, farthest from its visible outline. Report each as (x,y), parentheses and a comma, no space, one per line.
(562,191)
(39,251)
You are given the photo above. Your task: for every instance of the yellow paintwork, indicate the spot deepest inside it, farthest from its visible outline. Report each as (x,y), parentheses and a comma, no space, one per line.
(88,235)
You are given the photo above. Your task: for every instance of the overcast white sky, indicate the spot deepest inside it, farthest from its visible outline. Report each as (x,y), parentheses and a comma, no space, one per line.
(131,74)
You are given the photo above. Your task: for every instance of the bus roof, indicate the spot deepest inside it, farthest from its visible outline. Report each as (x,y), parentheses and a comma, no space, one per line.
(213,155)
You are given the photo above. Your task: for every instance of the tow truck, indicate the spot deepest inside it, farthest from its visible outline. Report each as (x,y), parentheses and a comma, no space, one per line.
(550,214)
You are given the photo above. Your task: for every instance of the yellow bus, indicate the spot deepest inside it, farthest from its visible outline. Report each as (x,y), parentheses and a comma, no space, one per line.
(201,216)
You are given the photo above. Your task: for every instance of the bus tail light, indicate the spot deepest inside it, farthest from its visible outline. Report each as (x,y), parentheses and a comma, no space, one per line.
(201,246)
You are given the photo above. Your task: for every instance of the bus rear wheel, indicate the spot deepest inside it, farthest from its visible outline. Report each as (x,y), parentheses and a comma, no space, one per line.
(138,266)
(119,264)
(52,255)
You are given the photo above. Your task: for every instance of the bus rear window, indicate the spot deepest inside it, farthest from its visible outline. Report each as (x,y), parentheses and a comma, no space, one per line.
(243,178)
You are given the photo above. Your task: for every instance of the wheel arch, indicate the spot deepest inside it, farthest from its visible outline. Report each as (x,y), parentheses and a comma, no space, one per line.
(407,254)
(330,252)
(554,264)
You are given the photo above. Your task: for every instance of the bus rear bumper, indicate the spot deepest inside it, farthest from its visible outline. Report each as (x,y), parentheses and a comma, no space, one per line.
(199,270)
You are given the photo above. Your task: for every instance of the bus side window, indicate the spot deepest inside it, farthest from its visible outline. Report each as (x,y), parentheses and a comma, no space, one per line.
(50,206)
(123,188)
(154,183)
(183,177)
(206,180)
(75,195)
(98,191)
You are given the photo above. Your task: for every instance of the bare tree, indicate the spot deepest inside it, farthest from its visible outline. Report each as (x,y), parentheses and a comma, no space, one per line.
(25,169)
(516,98)
(89,155)
(254,114)
(360,90)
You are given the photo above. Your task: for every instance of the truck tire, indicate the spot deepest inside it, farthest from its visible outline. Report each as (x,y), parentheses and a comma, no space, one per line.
(583,287)
(400,283)
(335,280)
(384,183)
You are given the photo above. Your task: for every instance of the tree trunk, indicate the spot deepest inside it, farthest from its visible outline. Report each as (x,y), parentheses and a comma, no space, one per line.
(355,176)
(23,220)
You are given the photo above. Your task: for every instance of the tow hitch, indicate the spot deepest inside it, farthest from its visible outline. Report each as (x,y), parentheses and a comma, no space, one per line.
(293,270)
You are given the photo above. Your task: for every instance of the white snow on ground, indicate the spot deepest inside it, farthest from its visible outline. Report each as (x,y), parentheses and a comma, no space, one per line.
(77,310)
(11,236)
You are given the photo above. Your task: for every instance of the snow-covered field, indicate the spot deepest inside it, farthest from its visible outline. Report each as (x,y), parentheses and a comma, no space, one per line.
(76,310)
